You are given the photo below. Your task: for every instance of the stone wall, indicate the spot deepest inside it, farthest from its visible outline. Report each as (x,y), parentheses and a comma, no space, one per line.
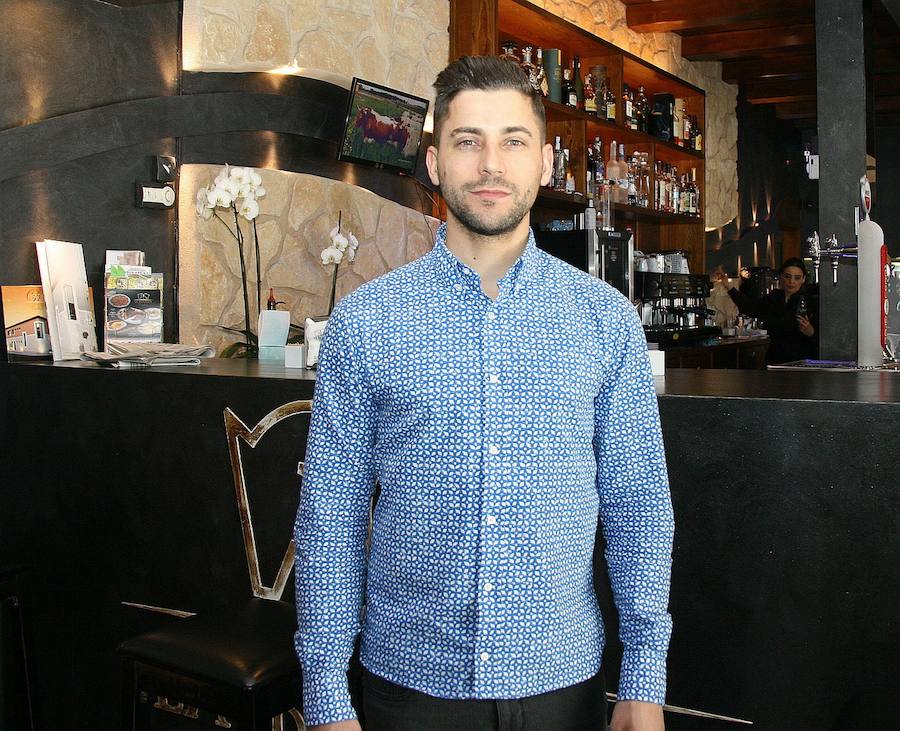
(296,216)
(400,43)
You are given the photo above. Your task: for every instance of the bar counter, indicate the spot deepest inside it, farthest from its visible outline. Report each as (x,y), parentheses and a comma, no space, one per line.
(117,487)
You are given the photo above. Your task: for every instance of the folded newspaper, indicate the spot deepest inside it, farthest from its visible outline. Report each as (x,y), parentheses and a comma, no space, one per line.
(130,355)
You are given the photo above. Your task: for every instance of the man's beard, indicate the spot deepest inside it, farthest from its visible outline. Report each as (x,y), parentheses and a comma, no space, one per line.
(477,220)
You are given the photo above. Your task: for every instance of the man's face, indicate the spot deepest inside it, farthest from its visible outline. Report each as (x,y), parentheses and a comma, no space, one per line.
(792,278)
(491,160)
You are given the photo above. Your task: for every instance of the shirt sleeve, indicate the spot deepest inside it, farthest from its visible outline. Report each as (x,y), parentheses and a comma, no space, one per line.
(330,529)
(636,512)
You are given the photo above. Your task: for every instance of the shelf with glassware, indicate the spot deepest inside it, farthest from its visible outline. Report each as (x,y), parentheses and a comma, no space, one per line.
(660,162)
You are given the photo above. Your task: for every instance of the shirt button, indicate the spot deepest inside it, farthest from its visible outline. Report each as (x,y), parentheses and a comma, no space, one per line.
(458,287)
(485,657)
(491,520)
(494,378)
(489,587)
(491,316)
(494,449)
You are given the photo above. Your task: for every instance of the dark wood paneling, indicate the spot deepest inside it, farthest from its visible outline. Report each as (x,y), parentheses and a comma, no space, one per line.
(733,44)
(61,56)
(685,15)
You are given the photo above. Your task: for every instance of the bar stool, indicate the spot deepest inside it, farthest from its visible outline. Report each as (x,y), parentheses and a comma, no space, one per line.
(238,663)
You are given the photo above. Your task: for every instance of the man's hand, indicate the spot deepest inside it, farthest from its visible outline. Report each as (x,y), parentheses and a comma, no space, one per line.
(637,716)
(339,726)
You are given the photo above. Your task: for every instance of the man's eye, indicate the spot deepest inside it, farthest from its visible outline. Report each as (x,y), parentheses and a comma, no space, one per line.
(515,142)
(466,143)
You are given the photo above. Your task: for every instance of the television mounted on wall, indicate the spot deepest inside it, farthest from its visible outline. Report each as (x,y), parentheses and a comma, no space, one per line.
(383,127)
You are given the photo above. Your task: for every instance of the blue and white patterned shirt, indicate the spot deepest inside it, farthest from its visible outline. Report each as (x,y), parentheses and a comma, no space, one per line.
(499,431)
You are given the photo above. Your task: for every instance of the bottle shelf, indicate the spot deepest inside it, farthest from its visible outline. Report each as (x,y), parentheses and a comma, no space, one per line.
(575,203)
(596,126)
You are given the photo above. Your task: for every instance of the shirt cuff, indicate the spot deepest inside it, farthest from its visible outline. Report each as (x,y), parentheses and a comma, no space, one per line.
(642,676)
(326,695)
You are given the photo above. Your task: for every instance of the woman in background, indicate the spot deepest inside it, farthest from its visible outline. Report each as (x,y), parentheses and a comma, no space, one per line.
(790,315)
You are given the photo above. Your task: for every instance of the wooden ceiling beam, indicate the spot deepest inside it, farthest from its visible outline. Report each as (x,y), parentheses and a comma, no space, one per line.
(790,66)
(737,43)
(796,110)
(778,91)
(688,15)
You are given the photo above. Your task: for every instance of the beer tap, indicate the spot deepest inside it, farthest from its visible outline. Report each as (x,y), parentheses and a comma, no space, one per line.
(834,251)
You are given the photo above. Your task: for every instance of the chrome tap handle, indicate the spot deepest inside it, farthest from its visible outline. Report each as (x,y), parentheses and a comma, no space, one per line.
(815,251)
(835,260)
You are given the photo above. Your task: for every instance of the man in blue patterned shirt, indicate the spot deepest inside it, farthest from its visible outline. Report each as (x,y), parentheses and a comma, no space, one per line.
(503,401)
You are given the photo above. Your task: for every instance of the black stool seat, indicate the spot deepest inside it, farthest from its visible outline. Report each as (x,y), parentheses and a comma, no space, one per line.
(239,663)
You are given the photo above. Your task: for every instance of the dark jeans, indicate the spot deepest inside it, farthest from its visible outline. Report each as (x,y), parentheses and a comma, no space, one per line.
(391,707)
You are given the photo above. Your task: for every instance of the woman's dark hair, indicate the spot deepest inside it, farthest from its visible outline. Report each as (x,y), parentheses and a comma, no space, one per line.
(795,262)
(484,73)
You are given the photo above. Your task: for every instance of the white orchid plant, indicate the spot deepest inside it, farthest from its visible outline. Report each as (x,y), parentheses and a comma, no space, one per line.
(237,189)
(341,245)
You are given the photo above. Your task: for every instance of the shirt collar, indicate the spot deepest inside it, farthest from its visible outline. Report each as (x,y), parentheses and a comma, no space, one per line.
(457,272)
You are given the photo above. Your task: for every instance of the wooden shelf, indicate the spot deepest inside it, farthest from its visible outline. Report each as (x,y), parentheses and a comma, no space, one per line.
(547,197)
(668,151)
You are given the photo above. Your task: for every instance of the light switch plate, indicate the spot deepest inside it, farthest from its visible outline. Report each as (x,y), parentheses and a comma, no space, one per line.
(154,195)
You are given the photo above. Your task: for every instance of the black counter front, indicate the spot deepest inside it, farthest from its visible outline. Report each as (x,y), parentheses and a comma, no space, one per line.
(116,487)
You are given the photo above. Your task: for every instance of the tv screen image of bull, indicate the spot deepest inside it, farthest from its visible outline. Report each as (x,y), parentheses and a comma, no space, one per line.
(383,127)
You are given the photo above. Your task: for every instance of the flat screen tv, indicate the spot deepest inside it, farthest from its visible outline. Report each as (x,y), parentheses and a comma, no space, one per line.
(383,127)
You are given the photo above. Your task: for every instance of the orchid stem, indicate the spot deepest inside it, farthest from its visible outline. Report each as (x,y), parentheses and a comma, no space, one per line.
(258,277)
(240,240)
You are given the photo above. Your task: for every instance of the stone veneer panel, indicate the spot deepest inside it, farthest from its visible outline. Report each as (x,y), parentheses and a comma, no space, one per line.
(295,219)
(401,43)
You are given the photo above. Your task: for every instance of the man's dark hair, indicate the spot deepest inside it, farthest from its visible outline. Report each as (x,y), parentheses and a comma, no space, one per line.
(484,73)
(794,262)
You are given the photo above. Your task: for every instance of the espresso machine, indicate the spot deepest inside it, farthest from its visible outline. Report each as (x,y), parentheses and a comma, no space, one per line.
(607,255)
(673,308)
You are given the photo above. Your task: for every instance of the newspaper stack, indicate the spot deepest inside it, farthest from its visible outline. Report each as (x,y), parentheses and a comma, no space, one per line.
(130,355)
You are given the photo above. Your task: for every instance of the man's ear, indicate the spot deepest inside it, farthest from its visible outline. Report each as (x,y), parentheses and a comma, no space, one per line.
(432,165)
(546,163)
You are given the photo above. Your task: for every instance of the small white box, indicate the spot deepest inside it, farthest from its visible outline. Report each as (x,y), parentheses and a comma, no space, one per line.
(295,356)
(657,362)
(273,327)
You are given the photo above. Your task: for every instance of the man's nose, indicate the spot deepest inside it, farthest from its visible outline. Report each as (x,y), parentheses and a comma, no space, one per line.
(491,160)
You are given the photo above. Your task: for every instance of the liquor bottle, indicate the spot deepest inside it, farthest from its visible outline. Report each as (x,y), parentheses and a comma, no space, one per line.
(609,99)
(642,111)
(678,122)
(590,215)
(686,132)
(577,82)
(509,49)
(623,174)
(533,71)
(685,195)
(676,195)
(695,193)
(569,185)
(271,303)
(590,94)
(568,89)
(542,84)
(632,181)
(552,58)
(612,172)
(627,107)
(559,166)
